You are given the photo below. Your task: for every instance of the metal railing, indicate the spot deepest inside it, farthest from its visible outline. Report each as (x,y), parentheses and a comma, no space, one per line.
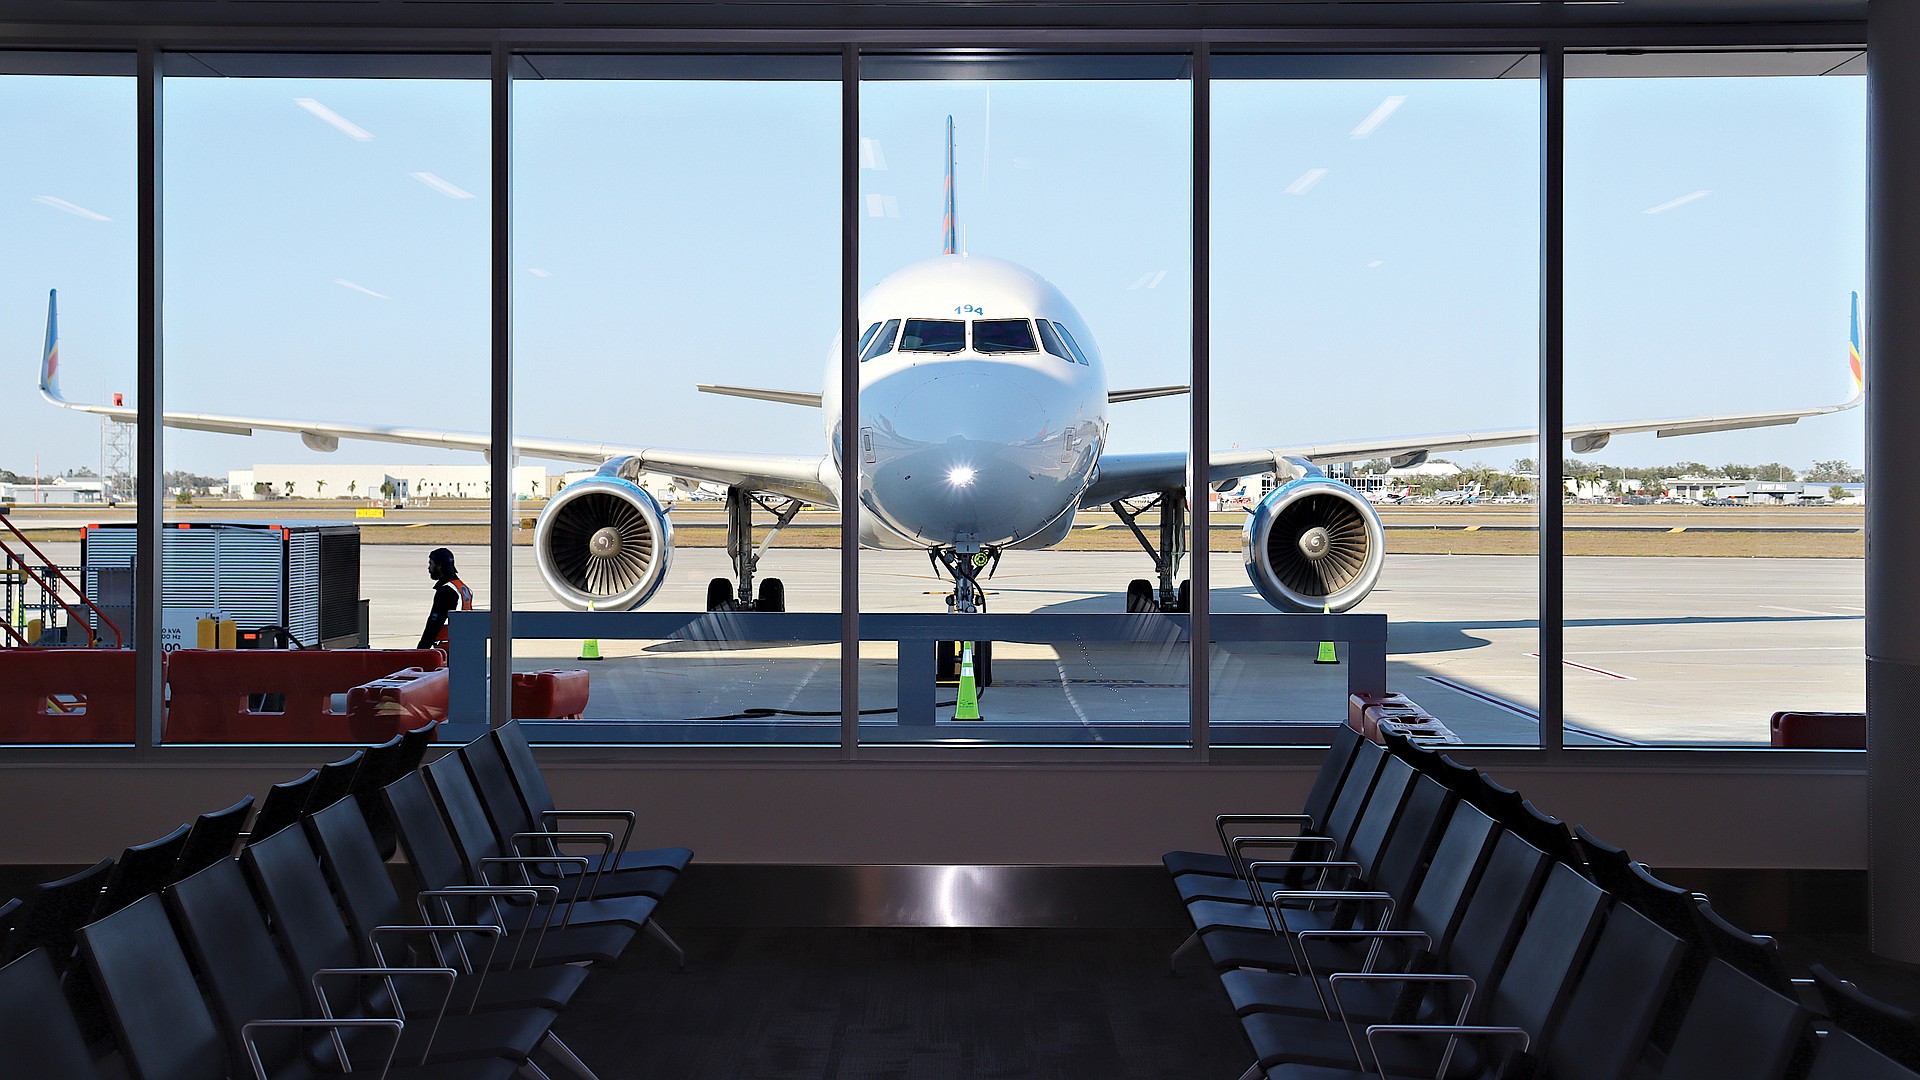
(49,574)
(916,636)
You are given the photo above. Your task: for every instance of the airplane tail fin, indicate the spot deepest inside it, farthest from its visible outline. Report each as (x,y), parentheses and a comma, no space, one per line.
(1855,364)
(50,358)
(950,226)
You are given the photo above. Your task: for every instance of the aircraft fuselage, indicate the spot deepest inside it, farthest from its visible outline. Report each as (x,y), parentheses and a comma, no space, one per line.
(983,408)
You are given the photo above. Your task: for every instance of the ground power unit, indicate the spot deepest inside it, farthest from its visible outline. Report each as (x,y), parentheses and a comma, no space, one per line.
(301,575)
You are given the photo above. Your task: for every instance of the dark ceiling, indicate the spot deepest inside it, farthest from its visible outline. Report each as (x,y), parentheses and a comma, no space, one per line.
(42,19)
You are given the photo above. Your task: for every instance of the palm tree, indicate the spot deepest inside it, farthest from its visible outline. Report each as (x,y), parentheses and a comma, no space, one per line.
(320,488)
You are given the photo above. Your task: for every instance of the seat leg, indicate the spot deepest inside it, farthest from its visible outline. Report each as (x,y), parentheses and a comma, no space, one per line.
(659,934)
(1173,962)
(566,1057)
(530,1071)
(1254,1072)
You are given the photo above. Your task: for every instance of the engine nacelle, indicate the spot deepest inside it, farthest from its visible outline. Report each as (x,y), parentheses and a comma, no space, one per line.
(603,541)
(1313,545)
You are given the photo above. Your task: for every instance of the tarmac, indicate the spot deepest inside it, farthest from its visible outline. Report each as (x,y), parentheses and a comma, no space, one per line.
(1658,651)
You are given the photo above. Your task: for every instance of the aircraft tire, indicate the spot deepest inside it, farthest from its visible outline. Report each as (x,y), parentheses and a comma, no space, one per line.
(772,595)
(1140,596)
(1185,601)
(719,594)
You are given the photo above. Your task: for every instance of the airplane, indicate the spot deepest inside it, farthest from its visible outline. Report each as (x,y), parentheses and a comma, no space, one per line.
(984,425)
(1465,496)
(1390,496)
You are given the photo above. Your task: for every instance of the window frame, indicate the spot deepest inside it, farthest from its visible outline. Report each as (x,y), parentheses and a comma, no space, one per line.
(151,46)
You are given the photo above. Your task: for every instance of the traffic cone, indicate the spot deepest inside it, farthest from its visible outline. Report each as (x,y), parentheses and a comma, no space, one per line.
(590,648)
(967,706)
(1327,655)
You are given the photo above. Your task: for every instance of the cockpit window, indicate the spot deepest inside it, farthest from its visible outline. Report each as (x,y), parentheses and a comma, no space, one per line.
(934,335)
(1002,335)
(866,337)
(1051,339)
(881,343)
(1078,356)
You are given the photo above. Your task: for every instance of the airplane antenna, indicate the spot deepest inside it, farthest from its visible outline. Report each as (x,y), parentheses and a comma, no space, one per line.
(949,222)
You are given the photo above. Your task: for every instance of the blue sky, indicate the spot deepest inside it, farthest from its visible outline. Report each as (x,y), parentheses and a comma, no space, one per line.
(1369,278)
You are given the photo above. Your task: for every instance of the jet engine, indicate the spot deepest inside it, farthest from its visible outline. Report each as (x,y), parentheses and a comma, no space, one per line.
(1313,545)
(603,541)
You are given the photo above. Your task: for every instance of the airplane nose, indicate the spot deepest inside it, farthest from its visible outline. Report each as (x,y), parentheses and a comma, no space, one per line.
(962,453)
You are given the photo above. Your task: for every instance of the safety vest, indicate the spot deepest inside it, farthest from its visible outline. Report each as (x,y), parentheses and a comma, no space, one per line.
(466,604)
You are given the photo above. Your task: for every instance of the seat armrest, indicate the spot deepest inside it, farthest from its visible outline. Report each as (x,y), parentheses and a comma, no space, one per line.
(604,839)
(628,816)
(388,975)
(1453,1032)
(432,932)
(1336,981)
(334,1025)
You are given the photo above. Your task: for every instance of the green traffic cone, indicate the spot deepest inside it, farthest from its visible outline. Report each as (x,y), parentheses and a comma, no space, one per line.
(967,707)
(1327,655)
(590,648)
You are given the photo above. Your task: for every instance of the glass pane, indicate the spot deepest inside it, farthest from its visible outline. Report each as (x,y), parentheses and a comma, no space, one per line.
(1376,281)
(68,204)
(326,254)
(980,525)
(640,276)
(1716,229)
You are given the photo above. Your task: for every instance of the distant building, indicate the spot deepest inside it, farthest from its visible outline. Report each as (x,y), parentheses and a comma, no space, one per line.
(65,490)
(408,482)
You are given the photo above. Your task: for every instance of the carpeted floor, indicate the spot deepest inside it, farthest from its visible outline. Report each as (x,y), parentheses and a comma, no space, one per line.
(907,1004)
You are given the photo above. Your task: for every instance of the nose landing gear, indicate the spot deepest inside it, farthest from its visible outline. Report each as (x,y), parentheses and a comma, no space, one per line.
(967,597)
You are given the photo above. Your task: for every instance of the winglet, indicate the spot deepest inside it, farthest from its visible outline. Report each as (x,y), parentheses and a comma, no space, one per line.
(1854,350)
(949,224)
(50,359)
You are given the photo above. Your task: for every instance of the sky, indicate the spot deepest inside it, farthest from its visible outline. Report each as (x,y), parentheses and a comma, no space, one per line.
(1375,252)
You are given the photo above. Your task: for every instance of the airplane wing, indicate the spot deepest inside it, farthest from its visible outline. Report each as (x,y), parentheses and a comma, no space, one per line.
(797,477)
(1122,476)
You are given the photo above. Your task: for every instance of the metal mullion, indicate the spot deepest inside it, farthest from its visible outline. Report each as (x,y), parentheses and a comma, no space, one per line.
(847,438)
(500,435)
(149,491)
(1552,607)
(1200,428)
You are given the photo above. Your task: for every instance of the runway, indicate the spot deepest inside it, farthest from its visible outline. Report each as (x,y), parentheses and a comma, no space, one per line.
(1658,650)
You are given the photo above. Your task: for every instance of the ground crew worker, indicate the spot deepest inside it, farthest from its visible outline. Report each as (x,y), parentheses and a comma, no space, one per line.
(448,592)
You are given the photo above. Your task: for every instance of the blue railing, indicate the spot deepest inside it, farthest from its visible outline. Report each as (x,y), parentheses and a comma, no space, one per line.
(916,636)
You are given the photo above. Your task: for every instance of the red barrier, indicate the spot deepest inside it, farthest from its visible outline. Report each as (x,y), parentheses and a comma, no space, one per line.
(208,692)
(550,695)
(1819,730)
(1368,713)
(399,702)
(66,695)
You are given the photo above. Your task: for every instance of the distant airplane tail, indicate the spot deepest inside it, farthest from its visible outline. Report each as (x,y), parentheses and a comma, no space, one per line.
(50,358)
(1855,364)
(950,224)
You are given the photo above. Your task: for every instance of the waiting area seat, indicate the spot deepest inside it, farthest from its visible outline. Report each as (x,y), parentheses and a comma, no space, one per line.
(300,957)
(1418,919)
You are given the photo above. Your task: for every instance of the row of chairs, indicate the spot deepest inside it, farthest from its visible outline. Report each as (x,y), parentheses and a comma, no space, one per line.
(48,915)
(301,957)
(1417,918)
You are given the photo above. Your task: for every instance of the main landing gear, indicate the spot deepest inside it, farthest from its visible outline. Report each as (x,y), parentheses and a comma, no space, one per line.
(1142,596)
(724,595)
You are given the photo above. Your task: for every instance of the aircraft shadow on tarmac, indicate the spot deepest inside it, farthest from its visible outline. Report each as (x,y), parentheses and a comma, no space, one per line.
(1408,636)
